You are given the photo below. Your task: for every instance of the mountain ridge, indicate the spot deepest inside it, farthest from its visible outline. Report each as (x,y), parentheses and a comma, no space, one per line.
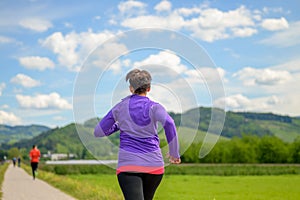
(10,134)
(66,139)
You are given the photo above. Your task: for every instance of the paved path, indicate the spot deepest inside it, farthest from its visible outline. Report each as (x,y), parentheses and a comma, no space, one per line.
(18,185)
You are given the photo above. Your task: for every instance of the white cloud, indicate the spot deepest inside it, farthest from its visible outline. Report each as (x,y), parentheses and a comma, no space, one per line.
(43,101)
(169,72)
(275,24)
(97,17)
(208,24)
(285,38)
(132,7)
(243,32)
(126,62)
(172,21)
(68,25)
(239,102)
(180,83)
(113,22)
(172,96)
(163,59)
(104,56)
(188,11)
(287,104)
(9,118)
(288,88)
(63,46)
(212,18)
(163,6)
(36,24)
(4,40)
(5,106)
(214,24)
(36,62)
(252,76)
(25,81)
(293,66)
(205,75)
(210,35)
(73,48)
(274,88)
(279,10)
(2,87)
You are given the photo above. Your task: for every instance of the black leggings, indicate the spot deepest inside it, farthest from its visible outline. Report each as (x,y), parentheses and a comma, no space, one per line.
(139,186)
(34,166)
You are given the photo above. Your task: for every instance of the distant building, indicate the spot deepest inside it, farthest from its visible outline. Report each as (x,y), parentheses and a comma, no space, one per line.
(59,156)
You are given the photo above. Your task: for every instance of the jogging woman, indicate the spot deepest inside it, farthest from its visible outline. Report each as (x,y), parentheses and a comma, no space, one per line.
(140,163)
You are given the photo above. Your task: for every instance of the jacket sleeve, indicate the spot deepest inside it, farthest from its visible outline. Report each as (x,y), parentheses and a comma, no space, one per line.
(168,124)
(106,126)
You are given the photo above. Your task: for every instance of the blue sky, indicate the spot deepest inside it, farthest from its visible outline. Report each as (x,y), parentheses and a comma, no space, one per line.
(254,46)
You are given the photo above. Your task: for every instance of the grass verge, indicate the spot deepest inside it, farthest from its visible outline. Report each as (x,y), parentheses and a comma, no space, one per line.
(3,168)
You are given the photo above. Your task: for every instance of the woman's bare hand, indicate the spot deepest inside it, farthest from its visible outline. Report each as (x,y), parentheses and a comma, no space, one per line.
(173,160)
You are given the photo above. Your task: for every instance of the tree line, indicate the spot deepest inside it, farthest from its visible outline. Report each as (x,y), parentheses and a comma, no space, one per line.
(247,149)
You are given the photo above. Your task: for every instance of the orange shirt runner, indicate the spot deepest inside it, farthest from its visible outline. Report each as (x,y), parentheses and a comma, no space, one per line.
(35,155)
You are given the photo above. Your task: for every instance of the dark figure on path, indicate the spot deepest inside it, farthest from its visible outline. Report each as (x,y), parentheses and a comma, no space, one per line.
(34,155)
(19,161)
(14,161)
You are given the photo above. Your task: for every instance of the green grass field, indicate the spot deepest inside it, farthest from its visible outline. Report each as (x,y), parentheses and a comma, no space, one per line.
(192,187)
(228,185)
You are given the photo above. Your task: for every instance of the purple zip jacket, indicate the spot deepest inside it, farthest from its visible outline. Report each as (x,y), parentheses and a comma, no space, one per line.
(137,119)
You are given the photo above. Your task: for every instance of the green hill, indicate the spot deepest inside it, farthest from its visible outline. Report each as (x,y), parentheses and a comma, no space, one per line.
(11,134)
(67,140)
(243,123)
(57,140)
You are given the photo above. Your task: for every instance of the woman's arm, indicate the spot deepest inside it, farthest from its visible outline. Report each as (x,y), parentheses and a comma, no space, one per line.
(168,124)
(106,126)
(171,135)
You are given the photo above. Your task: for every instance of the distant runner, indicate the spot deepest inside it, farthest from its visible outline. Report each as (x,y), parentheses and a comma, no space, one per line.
(34,155)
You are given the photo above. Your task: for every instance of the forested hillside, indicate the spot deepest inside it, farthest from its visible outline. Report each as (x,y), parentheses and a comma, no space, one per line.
(11,134)
(243,133)
(244,123)
(63,140)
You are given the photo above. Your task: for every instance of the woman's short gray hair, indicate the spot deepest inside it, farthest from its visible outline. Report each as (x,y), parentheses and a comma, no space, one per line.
(140,80)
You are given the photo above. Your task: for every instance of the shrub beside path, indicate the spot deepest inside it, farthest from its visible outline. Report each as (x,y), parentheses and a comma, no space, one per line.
(18,185)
